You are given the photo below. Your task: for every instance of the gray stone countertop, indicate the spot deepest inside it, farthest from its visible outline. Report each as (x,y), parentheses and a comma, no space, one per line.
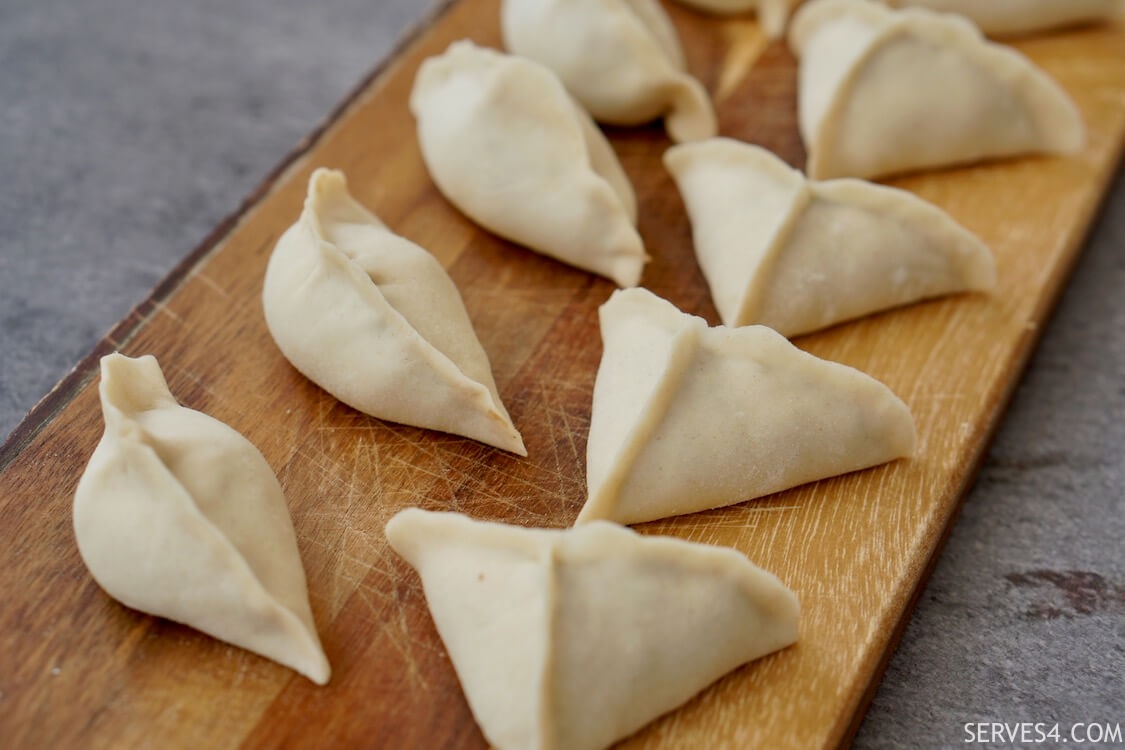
(129,129)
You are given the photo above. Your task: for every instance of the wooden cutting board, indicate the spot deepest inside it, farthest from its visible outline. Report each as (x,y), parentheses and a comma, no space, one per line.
(80,670)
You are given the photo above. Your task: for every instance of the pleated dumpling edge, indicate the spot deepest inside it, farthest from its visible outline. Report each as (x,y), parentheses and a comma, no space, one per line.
(535,622)
(621,59)
(179,516)
(376,321)
(799,255)
(866,79)
(688,418)
(506,144)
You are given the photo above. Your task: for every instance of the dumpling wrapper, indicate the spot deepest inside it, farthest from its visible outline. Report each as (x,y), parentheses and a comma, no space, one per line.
(884,92)
(179,516)
(509,147)
(376,321)
(574,639)
(687,418)
(621,59)
(1014,17)
(773,14)
(799,256)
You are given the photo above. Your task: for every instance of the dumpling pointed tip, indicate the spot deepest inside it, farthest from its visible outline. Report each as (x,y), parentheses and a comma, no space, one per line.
(779,603)
(402,520)
(321,175)
(309,662)
(132,384)
(791,608)
(593,510)
(1065,130)
(291,641)
(980,274)
(675,156)
(498,430)
(627,270)
(773,15)
(512,442)
(692,117)
(518,447)
(405,529)
(899,431)
(325,181)
(116,364)
(319,670)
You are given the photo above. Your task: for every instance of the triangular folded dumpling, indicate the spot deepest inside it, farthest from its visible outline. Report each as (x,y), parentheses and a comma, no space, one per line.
(180,516)
(883,92)
(620,59)
(376,321)
(574,639)
(687,417)
(506,144)
(798,256)
(773,14)
(1011,17)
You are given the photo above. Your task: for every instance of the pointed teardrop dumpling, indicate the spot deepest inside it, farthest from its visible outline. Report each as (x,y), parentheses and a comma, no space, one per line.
(773,14)
(687,418)
(884,92)
(1013,17)
(621,59)
(179,516)
(507,145)
(566,639)
(376,321)
(799,256)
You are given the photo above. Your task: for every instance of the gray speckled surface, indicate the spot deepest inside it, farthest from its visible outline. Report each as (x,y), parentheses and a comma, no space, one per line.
(129,129)
(1024,616)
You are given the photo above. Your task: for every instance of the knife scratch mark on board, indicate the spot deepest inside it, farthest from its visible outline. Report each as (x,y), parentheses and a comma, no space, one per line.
(208,281)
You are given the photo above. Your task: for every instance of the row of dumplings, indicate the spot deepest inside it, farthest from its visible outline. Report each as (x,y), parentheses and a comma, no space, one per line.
(561,637)
(994,17)
(377,322)
(881,92)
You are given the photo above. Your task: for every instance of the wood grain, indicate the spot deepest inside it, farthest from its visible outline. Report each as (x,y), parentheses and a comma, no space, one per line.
(79,670)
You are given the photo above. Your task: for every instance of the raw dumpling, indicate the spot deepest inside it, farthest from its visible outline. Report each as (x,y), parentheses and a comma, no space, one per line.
(376,321)
(687,418)
(180,516)
(506,144)
(574,639)
(773,14)
(1011,17)
(620,59)
(883,92)
(798,256)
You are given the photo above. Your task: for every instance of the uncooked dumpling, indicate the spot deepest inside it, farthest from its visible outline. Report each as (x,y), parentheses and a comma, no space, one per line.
(773,14)
(506,144)
(574,639)
(1011,17)
(180,516)
(884,92)
(376,321)
(687,417)
(798,256)
(620,59)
